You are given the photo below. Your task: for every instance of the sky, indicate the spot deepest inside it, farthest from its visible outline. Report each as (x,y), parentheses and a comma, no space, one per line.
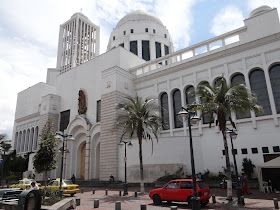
(29,33)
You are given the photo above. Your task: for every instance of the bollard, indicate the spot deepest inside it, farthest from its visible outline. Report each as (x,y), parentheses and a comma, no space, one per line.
(93,191)
(120,193)
(173,207)
(82,190)
(106,192)
(275,203)
(213,198)
(135,194)
(96,203)
(242,202)
(78,201)
(118,205)
(143,207)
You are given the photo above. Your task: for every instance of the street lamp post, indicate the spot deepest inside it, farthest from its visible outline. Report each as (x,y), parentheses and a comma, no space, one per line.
(191,117)
(233,135)
(125,160)
(64,136)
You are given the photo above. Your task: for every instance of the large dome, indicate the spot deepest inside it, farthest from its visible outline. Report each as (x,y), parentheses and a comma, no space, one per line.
(139,15)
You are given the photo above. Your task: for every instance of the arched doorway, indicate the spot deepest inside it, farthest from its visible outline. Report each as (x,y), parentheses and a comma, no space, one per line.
(83,161)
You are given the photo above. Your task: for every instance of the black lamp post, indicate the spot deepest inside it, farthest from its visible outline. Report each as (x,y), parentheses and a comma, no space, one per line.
(125,160)
(233,135)
(64,136)
(183,115)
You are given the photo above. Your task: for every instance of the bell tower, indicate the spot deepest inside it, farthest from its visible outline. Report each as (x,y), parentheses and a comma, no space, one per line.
(79,42)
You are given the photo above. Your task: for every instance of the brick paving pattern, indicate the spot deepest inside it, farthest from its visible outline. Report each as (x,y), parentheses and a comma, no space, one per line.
(256,200)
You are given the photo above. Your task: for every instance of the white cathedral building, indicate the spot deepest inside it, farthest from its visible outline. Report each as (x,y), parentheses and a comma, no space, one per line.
(140,59)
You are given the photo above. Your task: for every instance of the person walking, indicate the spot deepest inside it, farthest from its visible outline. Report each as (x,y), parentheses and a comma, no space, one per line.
(73,179)
(243,182)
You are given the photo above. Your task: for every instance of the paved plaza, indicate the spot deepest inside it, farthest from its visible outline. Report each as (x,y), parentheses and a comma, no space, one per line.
(256,200)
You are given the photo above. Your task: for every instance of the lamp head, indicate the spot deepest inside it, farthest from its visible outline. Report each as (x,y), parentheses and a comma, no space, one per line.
(70,137)
(182,115)
(195,120)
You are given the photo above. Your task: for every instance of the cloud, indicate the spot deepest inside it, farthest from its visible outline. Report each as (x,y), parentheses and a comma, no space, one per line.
(29,37)
(253,4)
(227,19)
(178,23)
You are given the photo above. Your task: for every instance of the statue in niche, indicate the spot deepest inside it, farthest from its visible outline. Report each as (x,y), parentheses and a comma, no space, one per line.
(82,103)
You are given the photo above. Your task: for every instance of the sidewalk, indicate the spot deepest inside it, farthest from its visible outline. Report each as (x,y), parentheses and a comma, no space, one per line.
(129,202)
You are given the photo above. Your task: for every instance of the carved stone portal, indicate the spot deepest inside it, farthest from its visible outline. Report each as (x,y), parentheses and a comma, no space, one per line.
(82,103)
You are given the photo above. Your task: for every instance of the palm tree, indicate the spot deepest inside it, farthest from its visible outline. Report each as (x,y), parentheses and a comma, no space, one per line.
(138,117)
(222,99)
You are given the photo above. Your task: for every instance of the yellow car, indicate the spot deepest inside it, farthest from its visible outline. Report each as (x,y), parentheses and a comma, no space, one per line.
(67,186)
(22,184)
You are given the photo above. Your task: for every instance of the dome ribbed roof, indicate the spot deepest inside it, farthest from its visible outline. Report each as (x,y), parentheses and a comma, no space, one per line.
(139,15)
(259,10)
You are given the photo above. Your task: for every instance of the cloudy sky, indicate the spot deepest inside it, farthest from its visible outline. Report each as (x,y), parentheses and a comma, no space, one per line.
(29,33)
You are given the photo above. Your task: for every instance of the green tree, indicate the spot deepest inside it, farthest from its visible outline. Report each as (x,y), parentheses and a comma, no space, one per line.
(46,157)
(222,99)
(138,117)
(248,167)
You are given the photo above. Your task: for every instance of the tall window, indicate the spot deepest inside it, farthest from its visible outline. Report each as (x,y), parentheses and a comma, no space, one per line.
(64,120)
(177,106)
(206,119)
(165,111)
(274,74)
(146,50)
(31,139)
(190,95)
(23,141)
(239,79)
(133,47)
(35,138)
(98,111)
(166,49)
(158,50)
(19,142)
(258,86)
(16,141)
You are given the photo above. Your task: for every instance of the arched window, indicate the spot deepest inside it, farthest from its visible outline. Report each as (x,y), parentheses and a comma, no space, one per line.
(19,142)
(206,119)
(23,141)
(239,79)
(190,95)
(16,139)
(31,139)
(27,141)
(164,111)
(177,106)
(274,74)
(35,138)
(258,86)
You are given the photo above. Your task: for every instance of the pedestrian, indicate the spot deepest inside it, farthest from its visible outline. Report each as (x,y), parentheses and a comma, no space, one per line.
(244,184)
(112,179)
(73,179)
(199,176)
(33,176)
(34,186)
(49,179)
(29,176)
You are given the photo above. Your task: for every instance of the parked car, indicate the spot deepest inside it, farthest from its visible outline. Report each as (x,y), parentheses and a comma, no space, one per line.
(223,183)
(22,184)
(181,190)
(67,186)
